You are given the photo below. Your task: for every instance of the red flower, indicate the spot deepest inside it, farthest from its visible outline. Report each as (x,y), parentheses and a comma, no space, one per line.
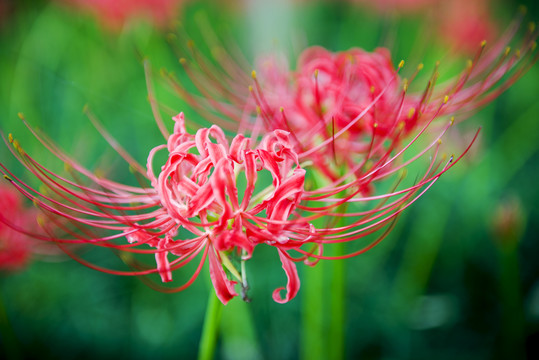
(116,13)
(333,131)
(16,248)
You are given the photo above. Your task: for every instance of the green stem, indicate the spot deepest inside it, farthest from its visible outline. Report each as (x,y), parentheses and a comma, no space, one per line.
(312,334)
(210,331)
(337,304)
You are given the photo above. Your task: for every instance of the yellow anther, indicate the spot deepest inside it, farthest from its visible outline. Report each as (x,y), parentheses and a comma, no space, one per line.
(375,125)
(507,50)
(403,173)
(372,89)
(483,43)
(250,88)
(419,67)
(16,144)
(452,121)
(531,26)
(439,141)
(517,53)
(183,61)
(469,63)
(400,126)
(8,178)
(411,113)
(281,109)
(405,84)
(253,74)
(401,64)
(446,99)
(258,110)
(316,73)
(21,116)
(40,220)
(10,138)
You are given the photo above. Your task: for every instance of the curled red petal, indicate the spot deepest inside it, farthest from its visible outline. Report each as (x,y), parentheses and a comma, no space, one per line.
(293,284)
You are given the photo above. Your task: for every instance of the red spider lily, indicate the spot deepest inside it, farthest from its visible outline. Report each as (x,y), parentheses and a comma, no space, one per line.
(459,23)
(351,107)
(17,249)
(14,246)
(195,190)
(328,154)
(115,14)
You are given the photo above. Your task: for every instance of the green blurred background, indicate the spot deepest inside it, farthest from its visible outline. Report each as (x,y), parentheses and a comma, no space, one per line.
(442,285)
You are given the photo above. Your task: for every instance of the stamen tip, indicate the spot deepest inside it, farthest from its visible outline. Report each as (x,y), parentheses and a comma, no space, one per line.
(401,64)
(411,113)
(10,138)
(8,178)
(253,74)
(20,115)
(40,220)
(446,99)
(183,60)
(420,67)
(483,43)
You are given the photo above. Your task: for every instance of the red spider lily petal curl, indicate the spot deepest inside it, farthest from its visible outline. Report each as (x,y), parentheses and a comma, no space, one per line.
(293,284)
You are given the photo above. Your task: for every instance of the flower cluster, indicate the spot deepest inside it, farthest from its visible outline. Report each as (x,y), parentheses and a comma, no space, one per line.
(310,163)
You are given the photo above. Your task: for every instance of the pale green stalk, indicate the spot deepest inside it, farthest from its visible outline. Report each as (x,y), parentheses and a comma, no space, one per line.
(210,331)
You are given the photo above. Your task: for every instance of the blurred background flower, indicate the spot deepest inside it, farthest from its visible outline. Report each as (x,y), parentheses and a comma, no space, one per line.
(437,287)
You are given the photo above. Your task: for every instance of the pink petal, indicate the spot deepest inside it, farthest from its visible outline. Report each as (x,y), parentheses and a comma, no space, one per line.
(224,288)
